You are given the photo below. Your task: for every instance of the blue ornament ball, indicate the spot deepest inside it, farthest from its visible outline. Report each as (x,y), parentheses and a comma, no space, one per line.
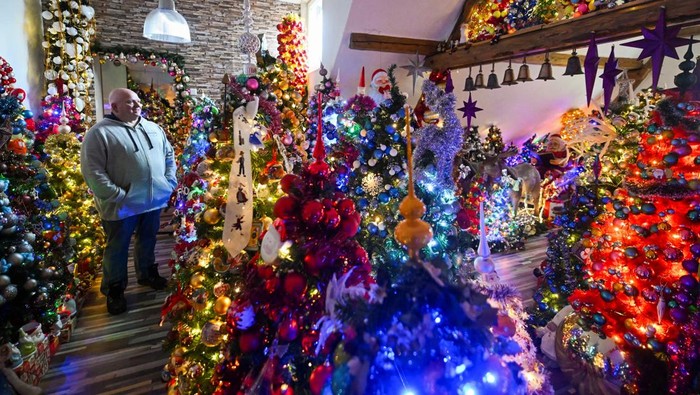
(607,295)
(670,159)
(648,208)
(362,203)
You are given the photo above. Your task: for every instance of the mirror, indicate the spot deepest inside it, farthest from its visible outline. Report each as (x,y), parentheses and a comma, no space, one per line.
(159,79)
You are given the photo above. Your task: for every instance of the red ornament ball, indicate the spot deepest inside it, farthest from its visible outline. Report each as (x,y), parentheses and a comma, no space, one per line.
(346,207)
(331,219)
(463,219)
(288,182)
(286,207)
(249,341)
(319,378)
(288,329)
(312,212)
(294,284)
(505,326)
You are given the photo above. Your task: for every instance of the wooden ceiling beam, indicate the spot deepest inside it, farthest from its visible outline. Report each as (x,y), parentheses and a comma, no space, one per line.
(609,25)
(374,42)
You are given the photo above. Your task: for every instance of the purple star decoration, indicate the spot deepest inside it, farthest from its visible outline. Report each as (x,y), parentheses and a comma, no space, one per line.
(590,64)
(659,43)
(449,86)
(610,72)
(469,109)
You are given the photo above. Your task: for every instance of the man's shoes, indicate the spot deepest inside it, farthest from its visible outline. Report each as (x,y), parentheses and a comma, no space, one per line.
(154,280)
(116,302)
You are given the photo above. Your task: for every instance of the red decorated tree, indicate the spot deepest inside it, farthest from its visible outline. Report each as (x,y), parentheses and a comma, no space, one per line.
(273,346)
(642,287)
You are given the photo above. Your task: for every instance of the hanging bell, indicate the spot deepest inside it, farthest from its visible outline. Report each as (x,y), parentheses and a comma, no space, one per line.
(546,70)
(479,80)
(492,82)
(509,76)
(469,82)
(524,72)
(573,65)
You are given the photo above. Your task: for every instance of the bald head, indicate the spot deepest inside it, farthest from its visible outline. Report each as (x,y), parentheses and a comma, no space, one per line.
(125,104)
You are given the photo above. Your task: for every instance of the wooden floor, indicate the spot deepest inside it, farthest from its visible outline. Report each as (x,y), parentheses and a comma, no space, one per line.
(122,354)
(115,354)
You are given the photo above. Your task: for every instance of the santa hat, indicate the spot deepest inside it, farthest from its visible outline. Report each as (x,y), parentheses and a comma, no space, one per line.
(361,85)
(377,71)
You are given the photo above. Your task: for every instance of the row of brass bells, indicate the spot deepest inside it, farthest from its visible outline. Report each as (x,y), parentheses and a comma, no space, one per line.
(546,70)
(573,67)
(509,75)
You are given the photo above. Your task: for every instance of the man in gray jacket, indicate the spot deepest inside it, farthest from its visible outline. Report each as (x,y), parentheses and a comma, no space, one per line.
(129,164)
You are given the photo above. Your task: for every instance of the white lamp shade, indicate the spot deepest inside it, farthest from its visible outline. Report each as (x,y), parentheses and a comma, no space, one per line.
(167,25)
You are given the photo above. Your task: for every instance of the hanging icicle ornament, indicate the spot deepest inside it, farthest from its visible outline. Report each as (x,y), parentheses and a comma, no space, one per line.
(412,232)
(63,127)
(248,43)
(483,263)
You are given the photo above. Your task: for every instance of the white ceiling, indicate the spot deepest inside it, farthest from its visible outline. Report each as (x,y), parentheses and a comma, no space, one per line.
(519,110)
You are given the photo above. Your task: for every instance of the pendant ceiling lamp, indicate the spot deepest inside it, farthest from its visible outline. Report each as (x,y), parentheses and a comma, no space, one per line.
(167,25)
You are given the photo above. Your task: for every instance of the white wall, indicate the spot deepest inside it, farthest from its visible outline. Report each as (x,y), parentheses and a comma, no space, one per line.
(21,30)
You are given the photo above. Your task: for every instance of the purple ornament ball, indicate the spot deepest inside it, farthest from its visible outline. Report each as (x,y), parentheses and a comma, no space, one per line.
(695,249)
(678,314)
(690,265)
(643,272)
(683,298)
(688,282)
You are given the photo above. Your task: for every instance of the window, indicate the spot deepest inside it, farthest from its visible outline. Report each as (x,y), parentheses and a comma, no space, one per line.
(314,33)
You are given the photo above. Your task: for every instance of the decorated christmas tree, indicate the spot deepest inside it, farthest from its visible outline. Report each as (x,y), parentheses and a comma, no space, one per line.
(436,148)
(378,169)
(642,288)
(332,106)
(35,258)
(422,334)
(286,77)
(561,273)
(273,346)
(493,144)
(228,185)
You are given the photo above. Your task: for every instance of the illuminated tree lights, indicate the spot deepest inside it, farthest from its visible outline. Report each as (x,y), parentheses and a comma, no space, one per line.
(642,287)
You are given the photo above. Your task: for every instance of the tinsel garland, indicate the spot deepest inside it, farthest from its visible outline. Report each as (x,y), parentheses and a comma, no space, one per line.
(436,147)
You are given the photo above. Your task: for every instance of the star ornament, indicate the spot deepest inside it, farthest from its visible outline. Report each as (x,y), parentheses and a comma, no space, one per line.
(590,64)
(416,69)
(658,43)
(469,109)
(610,72)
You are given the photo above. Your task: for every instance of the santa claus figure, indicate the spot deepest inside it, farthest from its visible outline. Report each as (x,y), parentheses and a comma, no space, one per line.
(380,86)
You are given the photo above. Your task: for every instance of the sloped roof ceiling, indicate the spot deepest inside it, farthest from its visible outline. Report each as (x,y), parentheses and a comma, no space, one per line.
(519,110)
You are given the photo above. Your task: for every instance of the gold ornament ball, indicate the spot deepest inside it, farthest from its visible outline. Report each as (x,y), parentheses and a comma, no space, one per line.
(414,234)
(211,216)
(222,304)
(220,265)
(197,280)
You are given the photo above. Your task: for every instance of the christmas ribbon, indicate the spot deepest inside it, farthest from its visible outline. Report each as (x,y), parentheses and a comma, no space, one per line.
(238,221)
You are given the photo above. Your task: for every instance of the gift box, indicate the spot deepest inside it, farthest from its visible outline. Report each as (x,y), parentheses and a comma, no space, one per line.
(552,208)
(68,321)
(36,364)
